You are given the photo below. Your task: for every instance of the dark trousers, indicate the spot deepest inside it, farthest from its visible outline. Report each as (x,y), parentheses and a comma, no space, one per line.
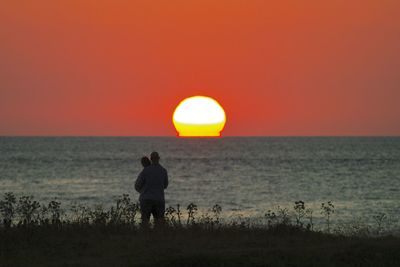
(152,207)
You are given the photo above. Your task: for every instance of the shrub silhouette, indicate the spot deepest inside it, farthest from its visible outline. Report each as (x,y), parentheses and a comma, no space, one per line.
(28,209)
(7,208)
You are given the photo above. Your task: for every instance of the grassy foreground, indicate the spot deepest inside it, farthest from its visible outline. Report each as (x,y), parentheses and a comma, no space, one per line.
(191,246)
(36,234)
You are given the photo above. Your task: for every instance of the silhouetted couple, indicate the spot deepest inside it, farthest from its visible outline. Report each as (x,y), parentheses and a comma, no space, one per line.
(151,182)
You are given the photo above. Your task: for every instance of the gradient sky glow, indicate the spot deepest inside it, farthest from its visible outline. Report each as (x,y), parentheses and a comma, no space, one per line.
(120,67)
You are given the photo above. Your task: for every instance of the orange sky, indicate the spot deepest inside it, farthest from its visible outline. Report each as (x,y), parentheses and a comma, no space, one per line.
(119,67)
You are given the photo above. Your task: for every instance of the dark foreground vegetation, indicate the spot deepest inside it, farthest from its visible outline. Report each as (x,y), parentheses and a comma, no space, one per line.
(35,235)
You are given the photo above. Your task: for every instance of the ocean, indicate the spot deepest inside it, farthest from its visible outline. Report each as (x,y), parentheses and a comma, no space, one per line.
(247,176)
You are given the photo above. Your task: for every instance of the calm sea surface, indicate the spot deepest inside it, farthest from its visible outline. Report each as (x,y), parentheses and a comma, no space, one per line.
(243,174)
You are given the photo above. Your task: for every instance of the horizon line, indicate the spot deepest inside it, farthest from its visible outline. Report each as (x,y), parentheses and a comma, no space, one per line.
(203,137)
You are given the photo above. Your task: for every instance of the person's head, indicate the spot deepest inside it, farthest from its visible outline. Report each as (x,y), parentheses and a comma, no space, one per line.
(145,161)
(155,158)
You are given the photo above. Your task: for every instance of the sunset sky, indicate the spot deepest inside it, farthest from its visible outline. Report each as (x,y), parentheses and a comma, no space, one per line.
(120,67)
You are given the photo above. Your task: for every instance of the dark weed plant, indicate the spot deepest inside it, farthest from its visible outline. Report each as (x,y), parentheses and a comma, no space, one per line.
(206,221)
(99,216)
(380,219)
(216,210)
(132,210)
(116,214)
(124,212)
(358,227)
(327,210)
(241,222)
(283,216)
(174,216)
(80,214)
(28,210)
(179,214)
(280,218)
(271,218)
(170,216)
(211,219)
(300,212)
(7,208)
(245,222)
(191,209)
(54,208)
(43,218)
(309,216)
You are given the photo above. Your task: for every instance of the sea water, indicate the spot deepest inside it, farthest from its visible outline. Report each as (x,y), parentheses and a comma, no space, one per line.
(244,175)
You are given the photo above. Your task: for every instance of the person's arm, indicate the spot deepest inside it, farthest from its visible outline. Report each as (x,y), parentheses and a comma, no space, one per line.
(139,182)
(166,180)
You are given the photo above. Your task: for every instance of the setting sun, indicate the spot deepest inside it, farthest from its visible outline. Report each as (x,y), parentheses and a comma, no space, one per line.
(199,116)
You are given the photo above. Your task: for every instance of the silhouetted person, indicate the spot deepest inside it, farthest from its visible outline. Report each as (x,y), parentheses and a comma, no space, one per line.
(145,162)
(151,183)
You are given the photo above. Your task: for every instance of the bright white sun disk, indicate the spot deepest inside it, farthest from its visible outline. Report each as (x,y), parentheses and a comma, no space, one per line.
(199,116)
